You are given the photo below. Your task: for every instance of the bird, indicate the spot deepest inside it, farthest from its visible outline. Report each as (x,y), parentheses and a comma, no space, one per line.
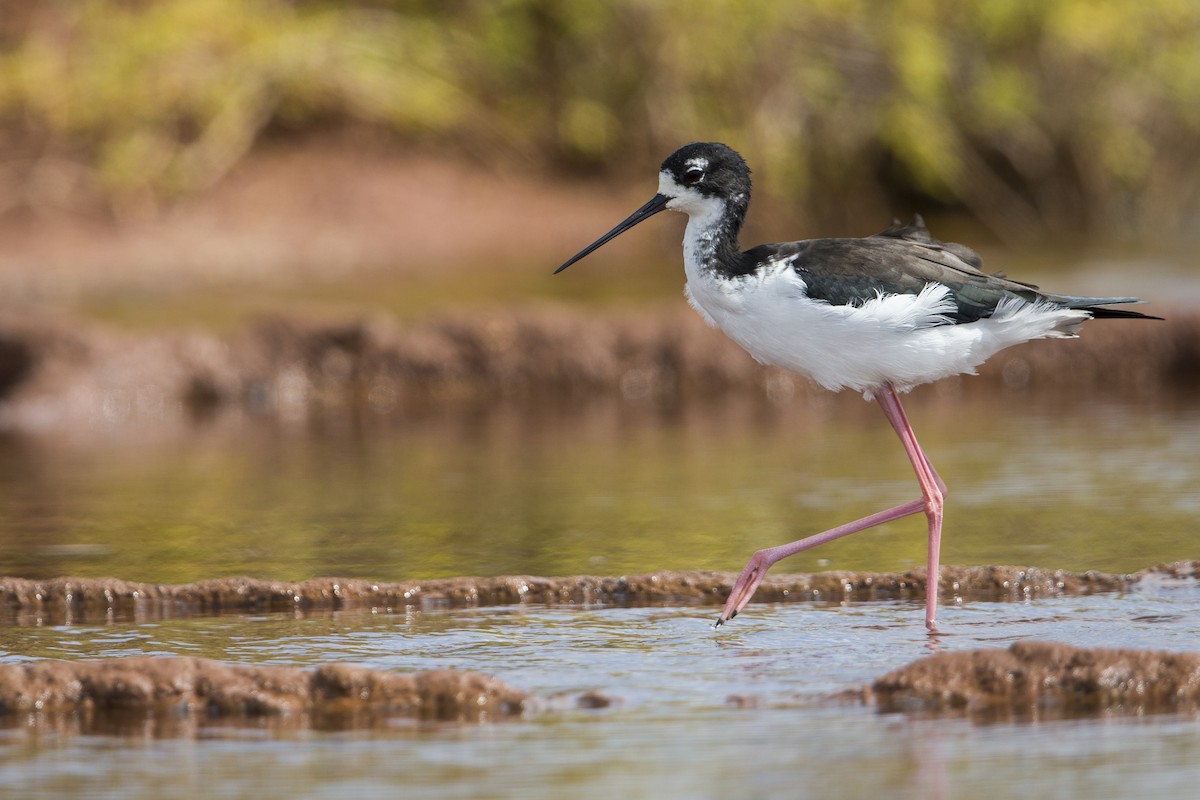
(879,315)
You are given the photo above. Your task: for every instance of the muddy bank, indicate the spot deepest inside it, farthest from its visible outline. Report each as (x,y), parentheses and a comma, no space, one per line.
(313,210)
(82,599)
(1033,680)
(180,692)
(60,372)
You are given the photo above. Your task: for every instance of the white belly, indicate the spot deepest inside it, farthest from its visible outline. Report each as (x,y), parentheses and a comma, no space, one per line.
(904,340)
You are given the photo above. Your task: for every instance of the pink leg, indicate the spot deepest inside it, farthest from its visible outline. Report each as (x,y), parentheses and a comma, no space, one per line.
(933,490)
(932,494)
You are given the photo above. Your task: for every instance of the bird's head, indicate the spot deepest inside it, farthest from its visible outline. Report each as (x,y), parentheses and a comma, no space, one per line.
(703,175)
(704,180)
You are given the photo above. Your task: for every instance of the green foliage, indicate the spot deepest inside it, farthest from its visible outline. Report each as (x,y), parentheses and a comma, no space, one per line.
(159,99)
(1037,116)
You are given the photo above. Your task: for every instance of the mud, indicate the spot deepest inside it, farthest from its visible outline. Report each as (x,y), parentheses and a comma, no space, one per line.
(1033,680)
(61,373)
(178,688)
(97,599)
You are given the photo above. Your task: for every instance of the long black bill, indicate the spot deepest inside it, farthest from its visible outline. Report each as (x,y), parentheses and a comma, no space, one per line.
(656,204)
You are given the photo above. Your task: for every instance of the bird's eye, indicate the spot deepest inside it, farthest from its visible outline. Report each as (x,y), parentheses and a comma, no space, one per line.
(693,175)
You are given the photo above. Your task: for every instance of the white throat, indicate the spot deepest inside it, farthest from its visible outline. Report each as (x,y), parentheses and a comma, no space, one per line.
(704,213)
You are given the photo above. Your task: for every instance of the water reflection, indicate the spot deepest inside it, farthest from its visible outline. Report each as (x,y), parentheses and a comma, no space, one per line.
(605,488)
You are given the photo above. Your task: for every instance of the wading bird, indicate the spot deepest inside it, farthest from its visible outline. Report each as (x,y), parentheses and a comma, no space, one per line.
(879,315)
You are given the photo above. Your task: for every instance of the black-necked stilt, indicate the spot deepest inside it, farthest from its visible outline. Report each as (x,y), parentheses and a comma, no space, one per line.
(879,315)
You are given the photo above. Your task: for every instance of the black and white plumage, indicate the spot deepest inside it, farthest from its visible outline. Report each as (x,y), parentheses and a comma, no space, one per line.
(879,315)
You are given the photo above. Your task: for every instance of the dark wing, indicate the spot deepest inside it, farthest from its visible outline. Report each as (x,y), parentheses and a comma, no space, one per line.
(916,231)
(904,259)
(899,260)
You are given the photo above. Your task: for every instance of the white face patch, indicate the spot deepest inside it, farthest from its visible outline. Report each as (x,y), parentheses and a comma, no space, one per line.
(668,186)
(698,161)
(687,199)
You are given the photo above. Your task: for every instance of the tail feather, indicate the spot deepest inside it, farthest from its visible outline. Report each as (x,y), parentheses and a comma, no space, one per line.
(1096,306)
(1116,313)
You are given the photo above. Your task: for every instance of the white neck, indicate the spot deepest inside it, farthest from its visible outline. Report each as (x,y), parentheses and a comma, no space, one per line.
(701,235)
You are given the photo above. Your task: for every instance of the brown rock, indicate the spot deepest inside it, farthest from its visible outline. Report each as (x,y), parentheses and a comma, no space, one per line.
(191,686)
(93,598)
(1034,679)
(593,700)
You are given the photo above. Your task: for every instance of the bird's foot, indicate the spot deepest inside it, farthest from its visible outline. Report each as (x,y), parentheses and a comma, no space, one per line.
(744,587)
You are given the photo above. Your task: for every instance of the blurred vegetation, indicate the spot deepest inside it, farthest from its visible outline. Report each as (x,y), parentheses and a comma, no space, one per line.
(1038,117)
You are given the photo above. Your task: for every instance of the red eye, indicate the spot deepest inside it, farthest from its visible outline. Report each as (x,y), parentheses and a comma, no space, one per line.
(693,175)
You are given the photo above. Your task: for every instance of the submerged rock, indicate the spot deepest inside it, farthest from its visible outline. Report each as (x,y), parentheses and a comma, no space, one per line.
(188,687)
(81,599)
(1037,679)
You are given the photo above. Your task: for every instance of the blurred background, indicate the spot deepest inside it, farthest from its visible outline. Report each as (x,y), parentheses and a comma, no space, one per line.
(1036,119)
(158,147)
(275,290)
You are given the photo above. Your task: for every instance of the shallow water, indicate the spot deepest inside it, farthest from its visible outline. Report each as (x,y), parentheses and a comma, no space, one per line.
(605,489)
(739,712)
(696,712)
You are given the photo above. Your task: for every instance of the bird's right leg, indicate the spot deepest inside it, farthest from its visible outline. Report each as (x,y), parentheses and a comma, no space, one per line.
(933,492)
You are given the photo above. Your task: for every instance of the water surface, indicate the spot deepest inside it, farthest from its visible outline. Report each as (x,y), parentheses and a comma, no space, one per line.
(609,488)
(743,711)
(696,712)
